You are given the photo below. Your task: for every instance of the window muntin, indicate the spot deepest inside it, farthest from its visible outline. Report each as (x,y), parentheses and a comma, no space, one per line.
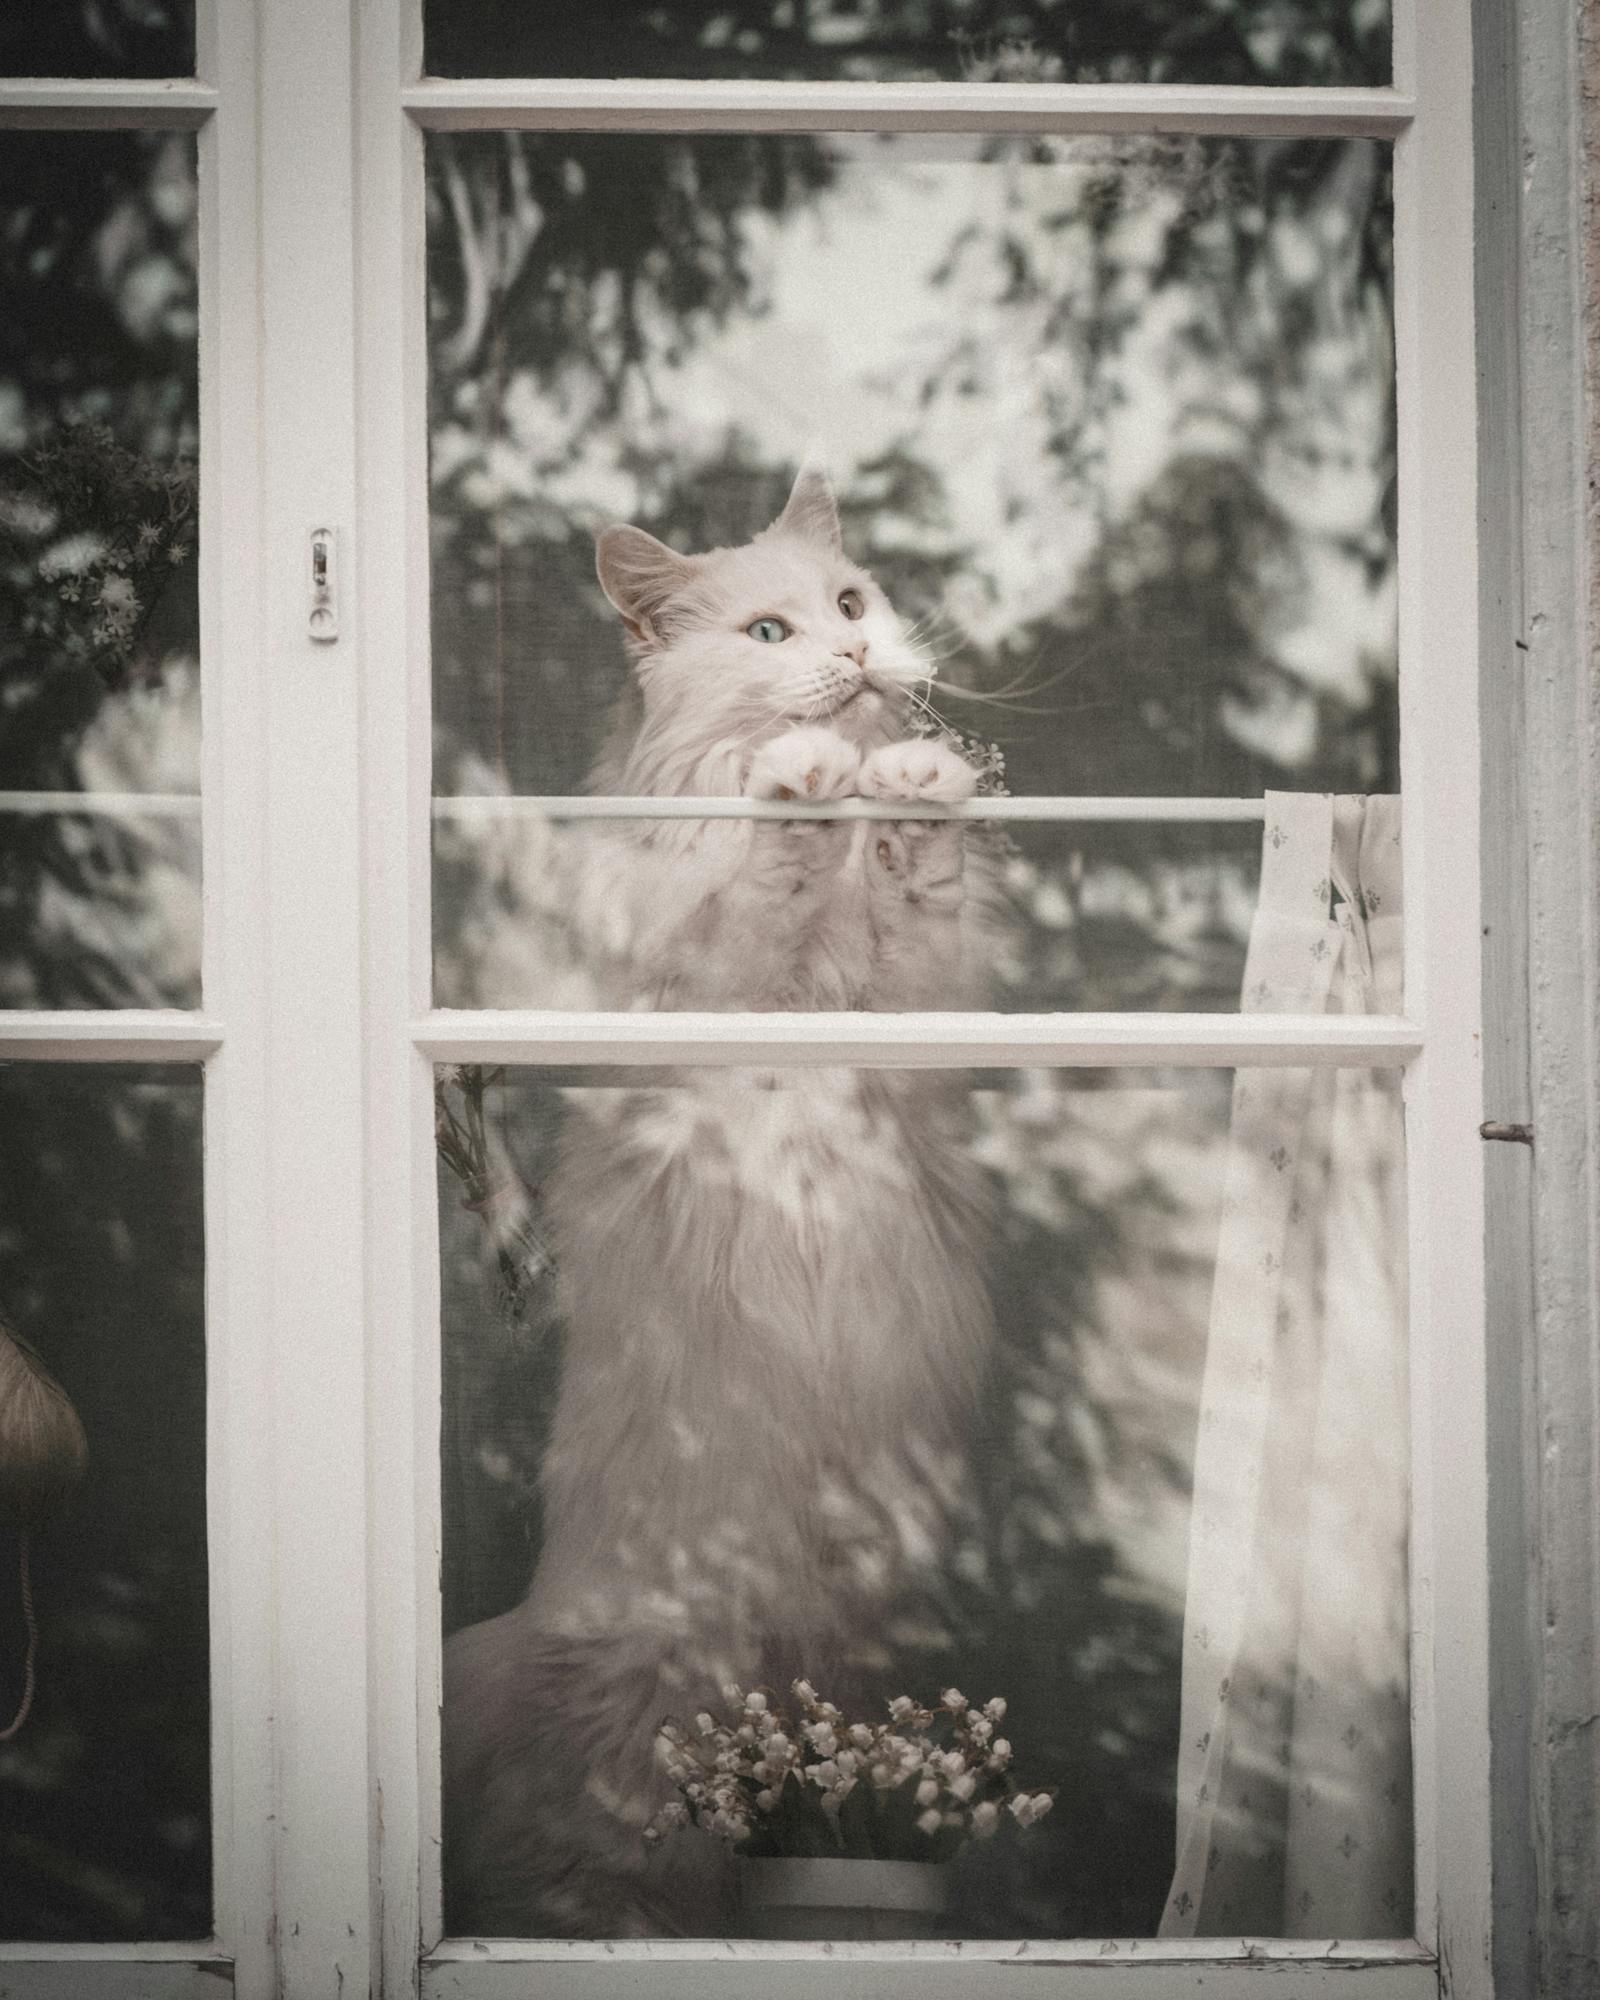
(105,1792)
(99,641)
(895,41)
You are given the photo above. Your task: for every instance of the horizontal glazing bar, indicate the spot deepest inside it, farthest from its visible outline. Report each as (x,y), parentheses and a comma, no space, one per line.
(108,805)
(65,104)
(132,1951)
(923,1041)
(1199,1951)
(492,806)
(130,1034)
(696,106)
(488,1970)
(113,1972)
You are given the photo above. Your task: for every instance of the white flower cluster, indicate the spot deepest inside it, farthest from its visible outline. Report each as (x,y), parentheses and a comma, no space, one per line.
(928,1779)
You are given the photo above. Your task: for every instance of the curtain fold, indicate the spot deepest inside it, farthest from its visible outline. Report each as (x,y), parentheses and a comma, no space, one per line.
(1294,1777)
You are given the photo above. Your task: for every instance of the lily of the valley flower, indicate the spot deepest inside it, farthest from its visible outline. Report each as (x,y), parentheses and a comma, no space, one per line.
(733,1777)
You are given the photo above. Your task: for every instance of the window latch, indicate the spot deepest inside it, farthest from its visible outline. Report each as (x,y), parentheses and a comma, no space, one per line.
(322,620)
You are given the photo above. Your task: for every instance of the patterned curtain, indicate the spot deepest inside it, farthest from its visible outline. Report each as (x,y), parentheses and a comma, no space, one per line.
(1294,1772)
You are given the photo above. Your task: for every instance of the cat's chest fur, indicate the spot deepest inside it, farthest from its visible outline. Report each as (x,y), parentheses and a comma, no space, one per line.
(773,1297)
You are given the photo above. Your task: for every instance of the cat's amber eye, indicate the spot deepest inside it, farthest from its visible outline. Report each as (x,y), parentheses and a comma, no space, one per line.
(770,631)
(850,604)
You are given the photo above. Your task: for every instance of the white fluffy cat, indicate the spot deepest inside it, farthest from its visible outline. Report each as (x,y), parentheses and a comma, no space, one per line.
(771,1283)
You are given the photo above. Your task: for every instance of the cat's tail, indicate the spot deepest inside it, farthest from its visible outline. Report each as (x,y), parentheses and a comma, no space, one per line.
(550,1777)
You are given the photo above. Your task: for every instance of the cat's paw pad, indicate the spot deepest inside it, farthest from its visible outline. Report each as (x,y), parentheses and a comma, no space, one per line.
(806,765)
(919,770)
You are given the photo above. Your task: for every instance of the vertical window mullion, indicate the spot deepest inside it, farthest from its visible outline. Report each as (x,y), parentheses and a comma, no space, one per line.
(315,1164)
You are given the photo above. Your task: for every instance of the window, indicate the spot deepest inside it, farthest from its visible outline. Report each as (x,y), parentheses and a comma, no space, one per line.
(1140,353)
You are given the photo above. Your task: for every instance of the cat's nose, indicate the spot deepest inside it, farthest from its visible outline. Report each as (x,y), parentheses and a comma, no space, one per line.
(856,651)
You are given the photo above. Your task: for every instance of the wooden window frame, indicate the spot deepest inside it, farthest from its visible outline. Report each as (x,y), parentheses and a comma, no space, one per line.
(319,1039)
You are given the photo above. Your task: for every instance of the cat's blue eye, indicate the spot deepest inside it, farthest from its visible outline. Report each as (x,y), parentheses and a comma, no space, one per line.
(770,631)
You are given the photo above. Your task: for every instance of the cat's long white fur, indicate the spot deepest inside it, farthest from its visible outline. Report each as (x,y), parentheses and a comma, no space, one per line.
(771,1283)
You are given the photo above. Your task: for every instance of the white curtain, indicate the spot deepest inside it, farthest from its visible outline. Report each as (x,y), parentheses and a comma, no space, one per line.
(1294,1772)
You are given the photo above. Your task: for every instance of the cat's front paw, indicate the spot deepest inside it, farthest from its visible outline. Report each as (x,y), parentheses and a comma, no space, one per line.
(807,765)
(919,770)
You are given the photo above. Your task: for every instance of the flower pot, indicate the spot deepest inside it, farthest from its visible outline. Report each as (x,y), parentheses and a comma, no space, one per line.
(791,1897)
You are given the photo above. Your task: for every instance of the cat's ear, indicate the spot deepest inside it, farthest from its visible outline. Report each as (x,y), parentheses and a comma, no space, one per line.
(641,576)
(811,510)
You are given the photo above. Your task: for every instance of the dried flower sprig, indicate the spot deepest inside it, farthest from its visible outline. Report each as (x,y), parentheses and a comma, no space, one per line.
(491,1187)
(773,1782)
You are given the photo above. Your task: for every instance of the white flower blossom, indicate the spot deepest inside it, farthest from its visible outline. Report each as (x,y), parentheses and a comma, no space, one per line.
(731,1772)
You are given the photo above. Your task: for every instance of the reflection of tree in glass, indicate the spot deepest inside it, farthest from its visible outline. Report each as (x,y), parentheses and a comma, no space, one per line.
(105,1807)
(1137,618)
(1245,282)
(1162,41)
(98,604)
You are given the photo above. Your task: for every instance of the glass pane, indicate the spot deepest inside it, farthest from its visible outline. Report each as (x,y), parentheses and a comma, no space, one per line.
(1111,423)
(105,38)
(900,1382)
(105,1796)
(99,618)
(895,41)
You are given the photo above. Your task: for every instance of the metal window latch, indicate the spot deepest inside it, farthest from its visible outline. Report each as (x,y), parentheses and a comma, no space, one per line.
(322,620)
(1519,1135)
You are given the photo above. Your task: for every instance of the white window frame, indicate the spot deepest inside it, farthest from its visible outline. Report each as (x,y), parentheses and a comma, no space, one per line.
(319,1038)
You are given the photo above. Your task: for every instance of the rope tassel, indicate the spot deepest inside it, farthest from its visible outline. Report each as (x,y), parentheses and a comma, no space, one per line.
(43,1456)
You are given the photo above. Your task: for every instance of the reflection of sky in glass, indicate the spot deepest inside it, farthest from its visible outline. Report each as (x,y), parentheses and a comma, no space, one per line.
(885,317)
(1064,1573)
(1116,416)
